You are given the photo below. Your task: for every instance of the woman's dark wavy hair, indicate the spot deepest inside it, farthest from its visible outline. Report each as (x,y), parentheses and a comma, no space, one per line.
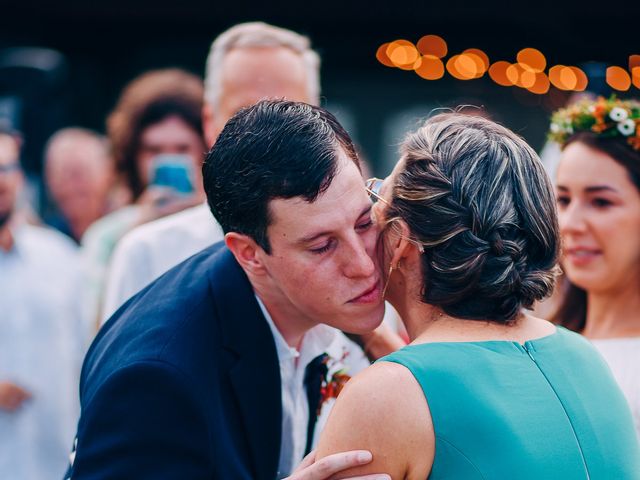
(147,100)
(572,309)
(477,197)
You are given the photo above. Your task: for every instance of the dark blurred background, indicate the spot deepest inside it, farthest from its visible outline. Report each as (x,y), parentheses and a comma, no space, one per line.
(97,47)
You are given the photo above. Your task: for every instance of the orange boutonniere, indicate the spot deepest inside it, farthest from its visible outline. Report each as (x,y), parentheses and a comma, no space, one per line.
(332,388)
(334,380)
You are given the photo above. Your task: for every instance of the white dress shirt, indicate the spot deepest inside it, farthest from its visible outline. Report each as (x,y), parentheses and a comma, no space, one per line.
(42,340)
(148,251)
(343,354)
(623,357)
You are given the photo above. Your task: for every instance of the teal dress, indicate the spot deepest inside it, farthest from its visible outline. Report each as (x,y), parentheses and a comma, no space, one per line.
(548,409)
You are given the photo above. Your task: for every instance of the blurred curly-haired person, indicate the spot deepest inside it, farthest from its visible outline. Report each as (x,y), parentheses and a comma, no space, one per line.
(155,122)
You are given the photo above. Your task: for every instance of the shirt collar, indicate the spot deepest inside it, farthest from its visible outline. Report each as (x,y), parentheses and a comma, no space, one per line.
(316,340)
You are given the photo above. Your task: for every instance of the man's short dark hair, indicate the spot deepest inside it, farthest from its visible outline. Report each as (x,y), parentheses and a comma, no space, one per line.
(274,149)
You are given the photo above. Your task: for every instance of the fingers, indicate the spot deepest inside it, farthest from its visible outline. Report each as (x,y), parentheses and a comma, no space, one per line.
(12,397)
(328,466)
(373,476)
(307,461)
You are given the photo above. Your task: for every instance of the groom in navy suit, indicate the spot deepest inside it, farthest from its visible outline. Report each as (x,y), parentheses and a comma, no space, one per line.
(198,376)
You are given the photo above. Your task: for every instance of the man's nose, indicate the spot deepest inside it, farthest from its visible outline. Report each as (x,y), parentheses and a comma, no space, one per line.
(357,262)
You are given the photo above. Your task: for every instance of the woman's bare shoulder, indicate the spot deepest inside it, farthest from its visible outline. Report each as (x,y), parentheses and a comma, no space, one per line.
(382,409)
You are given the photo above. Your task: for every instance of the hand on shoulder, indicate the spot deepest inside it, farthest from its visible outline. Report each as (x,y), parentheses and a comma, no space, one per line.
(324,469)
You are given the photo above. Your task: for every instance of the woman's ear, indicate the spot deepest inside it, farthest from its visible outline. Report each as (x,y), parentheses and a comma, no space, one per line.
(246,251)
(401,245)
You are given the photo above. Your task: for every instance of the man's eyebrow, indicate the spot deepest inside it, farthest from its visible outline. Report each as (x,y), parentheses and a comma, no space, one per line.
(314,236)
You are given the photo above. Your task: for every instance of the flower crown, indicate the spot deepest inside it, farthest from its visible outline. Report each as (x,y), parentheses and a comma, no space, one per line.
(605,117)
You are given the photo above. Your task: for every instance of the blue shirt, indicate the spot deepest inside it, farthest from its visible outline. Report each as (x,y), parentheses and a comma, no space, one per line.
(42,340)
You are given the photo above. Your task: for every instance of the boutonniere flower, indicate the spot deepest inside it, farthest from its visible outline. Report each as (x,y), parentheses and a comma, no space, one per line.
(334,380)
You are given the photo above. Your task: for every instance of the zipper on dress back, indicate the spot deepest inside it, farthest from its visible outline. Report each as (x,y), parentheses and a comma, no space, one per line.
(526,347)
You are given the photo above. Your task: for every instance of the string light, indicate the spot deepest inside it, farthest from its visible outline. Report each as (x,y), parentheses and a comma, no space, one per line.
(498,73)
(532,60)
(432,45)
(618,78)
(430,68)
(426,58)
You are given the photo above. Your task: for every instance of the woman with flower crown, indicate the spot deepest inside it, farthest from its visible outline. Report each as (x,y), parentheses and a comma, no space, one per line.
(485,390)
(598,196)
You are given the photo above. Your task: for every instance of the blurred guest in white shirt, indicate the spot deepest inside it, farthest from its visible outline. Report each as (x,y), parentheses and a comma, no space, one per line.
(42,336)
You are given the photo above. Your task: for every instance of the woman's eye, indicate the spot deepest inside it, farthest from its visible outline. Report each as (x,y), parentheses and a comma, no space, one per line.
(366,225)
(601,202)
(563,201)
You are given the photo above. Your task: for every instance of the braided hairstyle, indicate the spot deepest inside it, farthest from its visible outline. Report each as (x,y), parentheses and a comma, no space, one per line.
(477,197)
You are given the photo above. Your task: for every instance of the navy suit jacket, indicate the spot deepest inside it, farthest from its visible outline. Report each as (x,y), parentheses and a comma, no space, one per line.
(183,382)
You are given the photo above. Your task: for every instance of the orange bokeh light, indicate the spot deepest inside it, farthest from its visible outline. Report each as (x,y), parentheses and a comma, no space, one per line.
(479,53)
(514,72)
(432,45)
(554,76)
(563,78)
(581,79)
(479,65)
(382,56)
(462,67)
(430,68)
(403,54)
(635,76)
(618,79)
(541,84)
(532,60)
(498,73)
(634,61)
(568,78)
(527,79)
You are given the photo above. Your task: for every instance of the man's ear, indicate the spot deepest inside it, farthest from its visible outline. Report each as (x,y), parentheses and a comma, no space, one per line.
(247,252)
(209,125)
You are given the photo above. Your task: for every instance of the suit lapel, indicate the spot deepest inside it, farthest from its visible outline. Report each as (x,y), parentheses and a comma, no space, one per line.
(255,377)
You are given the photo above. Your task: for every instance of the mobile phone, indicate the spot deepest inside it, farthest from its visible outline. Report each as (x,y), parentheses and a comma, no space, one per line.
(174,171)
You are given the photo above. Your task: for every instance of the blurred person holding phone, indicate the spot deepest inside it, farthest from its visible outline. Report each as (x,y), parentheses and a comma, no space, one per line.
(156,135)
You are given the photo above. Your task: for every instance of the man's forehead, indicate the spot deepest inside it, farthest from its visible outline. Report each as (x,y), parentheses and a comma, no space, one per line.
(341,204)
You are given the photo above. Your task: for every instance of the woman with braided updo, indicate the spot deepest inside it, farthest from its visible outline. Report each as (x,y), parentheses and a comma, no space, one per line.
(469,239)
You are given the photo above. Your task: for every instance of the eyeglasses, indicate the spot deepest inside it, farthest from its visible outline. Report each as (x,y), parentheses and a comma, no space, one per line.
(373,186)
